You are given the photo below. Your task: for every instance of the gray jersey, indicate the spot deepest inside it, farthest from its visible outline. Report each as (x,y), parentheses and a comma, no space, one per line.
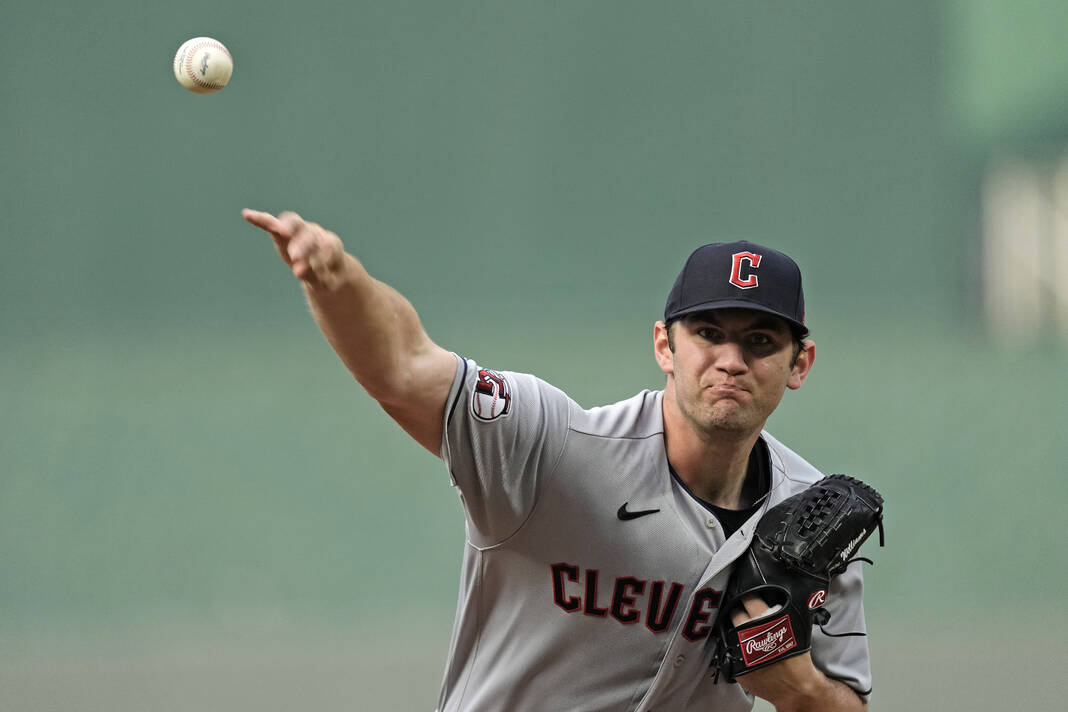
(570,602)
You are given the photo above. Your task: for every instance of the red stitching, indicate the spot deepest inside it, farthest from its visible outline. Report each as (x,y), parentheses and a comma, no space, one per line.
(189,63)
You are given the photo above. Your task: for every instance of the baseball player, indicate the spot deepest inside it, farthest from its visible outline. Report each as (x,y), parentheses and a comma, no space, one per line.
(600,542)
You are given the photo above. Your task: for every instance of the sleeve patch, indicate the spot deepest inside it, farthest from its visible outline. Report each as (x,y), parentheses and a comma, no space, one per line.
(491,397)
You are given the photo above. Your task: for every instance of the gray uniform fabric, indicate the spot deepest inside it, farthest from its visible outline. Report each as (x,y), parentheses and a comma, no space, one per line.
(563,605)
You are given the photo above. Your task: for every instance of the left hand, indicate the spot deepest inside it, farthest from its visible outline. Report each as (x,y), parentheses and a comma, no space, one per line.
(786,682)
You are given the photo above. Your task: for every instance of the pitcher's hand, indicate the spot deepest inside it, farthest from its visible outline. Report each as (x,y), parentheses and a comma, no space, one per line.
(315,254)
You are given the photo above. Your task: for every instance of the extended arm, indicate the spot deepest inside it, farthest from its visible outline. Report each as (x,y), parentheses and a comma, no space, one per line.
(374,330)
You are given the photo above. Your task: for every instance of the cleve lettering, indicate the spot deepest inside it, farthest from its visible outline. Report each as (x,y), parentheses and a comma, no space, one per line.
(631,600)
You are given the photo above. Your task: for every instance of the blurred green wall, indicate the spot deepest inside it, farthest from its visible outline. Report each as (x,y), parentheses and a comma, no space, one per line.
(179,446)
(1006,71)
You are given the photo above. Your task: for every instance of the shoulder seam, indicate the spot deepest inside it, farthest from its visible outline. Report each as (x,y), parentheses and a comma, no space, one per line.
(615,437)
(459,392)
(615,429)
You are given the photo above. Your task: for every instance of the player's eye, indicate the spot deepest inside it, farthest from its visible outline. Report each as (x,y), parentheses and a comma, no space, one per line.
(710,334)
(762,342)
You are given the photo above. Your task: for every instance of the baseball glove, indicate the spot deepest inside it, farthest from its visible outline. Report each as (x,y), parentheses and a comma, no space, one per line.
(798,546)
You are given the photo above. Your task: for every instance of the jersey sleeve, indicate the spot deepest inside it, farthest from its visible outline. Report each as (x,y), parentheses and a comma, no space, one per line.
(845,658)
(503,436)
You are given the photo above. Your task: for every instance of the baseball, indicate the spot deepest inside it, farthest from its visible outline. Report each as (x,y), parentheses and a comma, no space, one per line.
(203,65)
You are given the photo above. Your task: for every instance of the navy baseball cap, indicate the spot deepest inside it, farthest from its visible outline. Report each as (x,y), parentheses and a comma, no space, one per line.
(741,275)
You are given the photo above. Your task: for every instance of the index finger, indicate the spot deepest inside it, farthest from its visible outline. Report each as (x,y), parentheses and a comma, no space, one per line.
(752,607)
(263,220)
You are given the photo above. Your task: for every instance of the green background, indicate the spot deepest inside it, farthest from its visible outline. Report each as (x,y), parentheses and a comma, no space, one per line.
(200,510)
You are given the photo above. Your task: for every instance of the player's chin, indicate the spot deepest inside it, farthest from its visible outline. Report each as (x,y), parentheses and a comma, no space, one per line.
(729,416)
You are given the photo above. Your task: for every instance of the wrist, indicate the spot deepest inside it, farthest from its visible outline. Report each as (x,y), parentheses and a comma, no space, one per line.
(803,691)
(347,273)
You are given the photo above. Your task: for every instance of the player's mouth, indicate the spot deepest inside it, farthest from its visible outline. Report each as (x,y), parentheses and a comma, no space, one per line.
(727,389)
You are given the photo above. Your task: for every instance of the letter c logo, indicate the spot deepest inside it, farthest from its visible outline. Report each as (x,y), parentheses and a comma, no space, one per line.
(748,261)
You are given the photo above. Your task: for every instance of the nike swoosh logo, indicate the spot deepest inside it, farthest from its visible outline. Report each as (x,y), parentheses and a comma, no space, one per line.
(625,514)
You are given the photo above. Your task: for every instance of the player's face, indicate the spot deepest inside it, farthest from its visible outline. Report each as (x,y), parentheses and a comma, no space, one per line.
(729,368)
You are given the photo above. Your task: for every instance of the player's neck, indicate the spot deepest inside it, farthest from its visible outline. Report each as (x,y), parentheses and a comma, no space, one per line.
(713,465)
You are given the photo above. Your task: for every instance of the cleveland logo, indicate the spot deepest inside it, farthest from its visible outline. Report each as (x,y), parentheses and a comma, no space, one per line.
(491,398)
(743,265)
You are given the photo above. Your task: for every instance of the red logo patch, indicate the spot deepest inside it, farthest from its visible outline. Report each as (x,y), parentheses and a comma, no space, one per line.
(491,397)
(748,261)
(817,599)
(767,641)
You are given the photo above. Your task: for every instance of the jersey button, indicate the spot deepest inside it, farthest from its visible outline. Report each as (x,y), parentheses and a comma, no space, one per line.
(711,522)
(680,660)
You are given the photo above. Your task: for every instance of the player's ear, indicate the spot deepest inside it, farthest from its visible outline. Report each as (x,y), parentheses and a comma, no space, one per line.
(665,357)
(802,365)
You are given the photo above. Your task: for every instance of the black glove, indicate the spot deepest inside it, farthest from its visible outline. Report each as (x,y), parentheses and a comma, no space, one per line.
(799,545)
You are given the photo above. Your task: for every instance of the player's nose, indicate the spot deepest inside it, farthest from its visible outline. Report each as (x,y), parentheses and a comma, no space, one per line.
(730,358)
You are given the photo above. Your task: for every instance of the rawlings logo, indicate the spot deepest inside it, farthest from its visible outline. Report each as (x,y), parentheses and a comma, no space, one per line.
(766,644)
(767,641)
(817,599)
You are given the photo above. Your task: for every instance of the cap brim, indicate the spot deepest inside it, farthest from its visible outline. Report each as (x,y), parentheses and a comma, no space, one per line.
(738,304)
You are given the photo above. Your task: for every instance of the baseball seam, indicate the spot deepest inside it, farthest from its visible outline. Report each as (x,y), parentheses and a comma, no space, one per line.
(189,64)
